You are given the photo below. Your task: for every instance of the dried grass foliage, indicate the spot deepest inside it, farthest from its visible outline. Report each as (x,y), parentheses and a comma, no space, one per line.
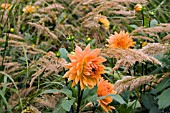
(165,39)
(128,57)
(48,65)
(14,36)
(22,93)
(156,29)
(18,45)
(143,38)
(48,9)
(132,82)
(153,49)
(44,30)
(48,100)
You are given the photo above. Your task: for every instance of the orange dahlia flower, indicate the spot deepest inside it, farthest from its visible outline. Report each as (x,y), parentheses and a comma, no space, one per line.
(121,40)
(85,67)
(29,9)
(105,22)
(105,88)
(6,6)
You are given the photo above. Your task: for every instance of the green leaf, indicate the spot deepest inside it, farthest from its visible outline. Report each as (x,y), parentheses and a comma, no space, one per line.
(5,101)
(63,53)
(133,26)
(89,92)
(164,99)
(154,109)
(153,22)
(66,104)
(118,98)
(134,104)
(147,100)
(162,85)
(65,91)
(58,108)
(92,98)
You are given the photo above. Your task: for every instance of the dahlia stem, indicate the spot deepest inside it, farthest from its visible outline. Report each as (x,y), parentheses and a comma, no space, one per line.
(80,94)
(143,19)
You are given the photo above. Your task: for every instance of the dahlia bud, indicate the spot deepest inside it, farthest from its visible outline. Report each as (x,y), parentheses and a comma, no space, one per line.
(138,8)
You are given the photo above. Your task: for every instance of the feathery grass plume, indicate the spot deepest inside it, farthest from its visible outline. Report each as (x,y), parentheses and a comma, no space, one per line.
(125,13)
(23,93)
(18,45)
(48,9)
(105,88)
(44,30)
(98,9)
(85,67)
(131,1)
(11,67)
(132,82)
(46,100)
(156,29)
(165,39)
(45,19)
(128,57)
(153,49)
(143,37)
(87,2)
(48,64)
(13,36)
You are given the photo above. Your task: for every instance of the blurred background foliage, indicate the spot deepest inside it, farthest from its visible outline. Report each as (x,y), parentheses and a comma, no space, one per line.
(34,46)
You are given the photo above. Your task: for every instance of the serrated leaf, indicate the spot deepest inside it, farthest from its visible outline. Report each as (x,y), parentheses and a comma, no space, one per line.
(164,99)
(162,85)
(65,91)
(66,104)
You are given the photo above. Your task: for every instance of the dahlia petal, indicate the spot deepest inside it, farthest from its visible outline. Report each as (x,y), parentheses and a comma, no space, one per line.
(72,57)
(81,84)
(68,65)
(104,107)
(71,77)
(85,81)
(78,51)
(86,50)
(66,74)
(73,83)
(77,78)
(95,52)
(86,73)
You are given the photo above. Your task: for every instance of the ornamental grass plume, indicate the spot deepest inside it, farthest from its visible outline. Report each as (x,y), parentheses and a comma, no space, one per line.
(29,9)
(121,40)
(85,67)
(105,88)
